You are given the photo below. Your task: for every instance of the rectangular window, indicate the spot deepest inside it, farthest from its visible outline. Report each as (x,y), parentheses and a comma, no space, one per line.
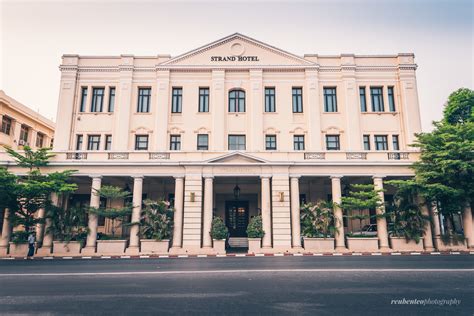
(24,133)
(108,142)
(330,100)
(363,100)
(177,100)
(236,142)
(144,98)
(202,142)
(270,142)
(298,142)
(395,142)
(39,140)
(366,142)
(6,125)
(141,142)
(391,99)
(175,142)
(381,142)
(97,99)
(376,94)
(111,99)
(269,99)
(332,142)
(93,142)
(82,108)
(297,94)
(203,99)
(79,141)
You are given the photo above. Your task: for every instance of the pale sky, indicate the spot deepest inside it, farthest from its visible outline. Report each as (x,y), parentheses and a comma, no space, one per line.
(34,35)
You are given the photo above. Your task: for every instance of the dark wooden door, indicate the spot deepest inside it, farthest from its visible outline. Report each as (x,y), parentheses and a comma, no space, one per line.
(237,218)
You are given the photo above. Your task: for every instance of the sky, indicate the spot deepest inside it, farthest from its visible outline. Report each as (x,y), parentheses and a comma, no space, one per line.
(35,34)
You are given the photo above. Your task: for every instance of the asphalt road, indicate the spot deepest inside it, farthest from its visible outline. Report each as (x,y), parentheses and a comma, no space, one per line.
(366,285)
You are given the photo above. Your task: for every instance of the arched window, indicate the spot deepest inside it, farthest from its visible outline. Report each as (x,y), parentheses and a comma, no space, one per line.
(237,101)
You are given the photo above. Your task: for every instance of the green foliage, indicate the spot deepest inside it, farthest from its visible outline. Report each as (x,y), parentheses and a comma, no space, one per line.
(318,220)
(156,220)
(19,237)
(255,227)
(218,229)
(67,225)
(31,159)
(8,189)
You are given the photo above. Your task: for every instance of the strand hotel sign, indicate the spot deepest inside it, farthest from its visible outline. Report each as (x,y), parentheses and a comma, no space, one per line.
(234,58)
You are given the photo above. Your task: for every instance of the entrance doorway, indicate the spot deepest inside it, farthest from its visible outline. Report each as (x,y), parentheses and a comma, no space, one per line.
(237,218)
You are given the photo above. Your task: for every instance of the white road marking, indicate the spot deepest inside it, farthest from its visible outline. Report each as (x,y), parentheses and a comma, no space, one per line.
(164,256)
(415,253)
(86,257)
(226,272)
(202,256)
(455,253)
(125,257)
(67,257)
(297,254)
(376,254)
(435,253)
(182,256)
(46,258)
(105,257)
(142,257)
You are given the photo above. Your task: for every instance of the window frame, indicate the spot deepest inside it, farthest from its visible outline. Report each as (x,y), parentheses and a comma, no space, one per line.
(237,95)
(24,133)
(380,103)
(363,99)
(391,98)
(142,106)
(141,139)
(330,96)
(272,143)
(175,142)
(111,104)
(270,99)
(336,142)
(108,142)
(203,104)
(176,100)
(395,142)
(97,107)
(200,146)
(6,127)
(90,143)
(297,99)
(79,141)
(237,143)
(83,104)
(39,136)
(384,142)
(366,141)
(298,142)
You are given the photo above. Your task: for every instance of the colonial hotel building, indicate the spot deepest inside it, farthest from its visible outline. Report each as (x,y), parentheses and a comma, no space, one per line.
(236,128)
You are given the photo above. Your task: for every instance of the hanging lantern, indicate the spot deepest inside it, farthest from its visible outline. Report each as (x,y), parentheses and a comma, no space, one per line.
(236,192)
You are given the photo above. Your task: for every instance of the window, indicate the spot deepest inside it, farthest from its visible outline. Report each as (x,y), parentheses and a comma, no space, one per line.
(97,99)
(141,142)
(175,142)
(236,142)
(203,99)
(269,99)
(298,142)
(297,94)
(177,100)
(111,99)
(52,143)
(381,142)
(377,99)
(79,141)
(366,142)
(144,96)
(330,100)
(108,142)
(39,140)
(332,142)
(237,101)
(93,143)
(395,142)
(202,142)
(6,125)
(270,142)
(391,99)
(24,134)
(363,100)
(83,99)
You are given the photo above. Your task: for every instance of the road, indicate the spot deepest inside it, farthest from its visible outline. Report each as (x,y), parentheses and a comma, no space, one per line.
(362,285)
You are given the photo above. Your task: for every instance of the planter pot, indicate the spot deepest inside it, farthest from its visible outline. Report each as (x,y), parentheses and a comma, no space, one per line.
(401,244)
(67,248)
(219,246)
(363,244)
(450,246)
(111,247)
(18,250)
(151,246)
(255,245)
(318,244)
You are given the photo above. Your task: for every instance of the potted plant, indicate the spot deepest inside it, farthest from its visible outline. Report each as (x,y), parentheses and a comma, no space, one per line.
(107,244)
(318,226)
(18,246)
(219,234)
(362,197)
(156,225)
(255,234)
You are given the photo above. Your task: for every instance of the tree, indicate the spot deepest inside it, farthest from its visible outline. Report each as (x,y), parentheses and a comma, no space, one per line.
(111,193)
(255,227)
(318,220)
(361,197)
(156,220)
(67,225)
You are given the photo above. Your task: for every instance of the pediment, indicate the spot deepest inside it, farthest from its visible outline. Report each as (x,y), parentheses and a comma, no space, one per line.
(236,158)
(237,50)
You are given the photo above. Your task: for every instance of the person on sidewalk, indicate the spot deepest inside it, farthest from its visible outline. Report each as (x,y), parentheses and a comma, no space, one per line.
(31,246)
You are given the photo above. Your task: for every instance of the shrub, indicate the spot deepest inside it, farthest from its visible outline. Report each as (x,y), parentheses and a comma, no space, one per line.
(156,221)
(255,228)
(318,220)
(218,229)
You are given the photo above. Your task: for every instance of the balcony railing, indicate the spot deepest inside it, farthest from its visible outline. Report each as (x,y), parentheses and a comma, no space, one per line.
(398,156)
(356,156)
(112,156)
(76,156)
(153,156)
(318,156)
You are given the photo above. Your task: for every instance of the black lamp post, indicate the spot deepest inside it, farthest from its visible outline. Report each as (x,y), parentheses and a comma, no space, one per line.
(236,190)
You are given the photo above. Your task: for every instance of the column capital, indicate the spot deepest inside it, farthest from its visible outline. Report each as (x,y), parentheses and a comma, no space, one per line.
(335,176)
(378,176)
(136,177)
(95,176)
(179,177)
(208,176)
(265,176)
(295,176)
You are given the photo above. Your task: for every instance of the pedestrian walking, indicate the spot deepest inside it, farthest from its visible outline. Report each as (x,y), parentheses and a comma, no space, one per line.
(31,245)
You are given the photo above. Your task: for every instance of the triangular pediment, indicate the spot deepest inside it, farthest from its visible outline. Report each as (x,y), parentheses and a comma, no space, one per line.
(236,157)
(237,50)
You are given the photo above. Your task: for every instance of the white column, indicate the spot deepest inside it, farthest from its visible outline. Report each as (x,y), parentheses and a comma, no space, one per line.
(312,107)
(47,244)
(124,104)
(217,109)
(207,217)
(428,236)
(178,212)
(93,219)
(40,226)
(266,213)
(295,212)
(336,198)
(6,232)
(162,106)
(137,208)
(468,227)
(381,221)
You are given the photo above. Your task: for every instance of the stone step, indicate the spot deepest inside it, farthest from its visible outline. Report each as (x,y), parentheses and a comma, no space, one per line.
(238,242)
